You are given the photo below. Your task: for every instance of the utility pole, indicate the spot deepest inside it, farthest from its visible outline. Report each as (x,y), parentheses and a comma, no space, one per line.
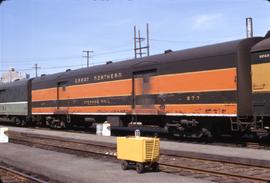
(135,42)
(36,68)
(140,43)
(87,55)
(147,36)
(138,40)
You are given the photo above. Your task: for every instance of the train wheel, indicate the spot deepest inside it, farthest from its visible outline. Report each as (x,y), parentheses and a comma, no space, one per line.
(56,124)
(62,125)
(124,165)
(23,122)
(139,167)
(205,133)
(155,167)
(19,122)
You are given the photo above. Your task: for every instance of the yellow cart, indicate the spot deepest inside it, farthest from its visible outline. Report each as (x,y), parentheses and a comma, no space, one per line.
(140,152)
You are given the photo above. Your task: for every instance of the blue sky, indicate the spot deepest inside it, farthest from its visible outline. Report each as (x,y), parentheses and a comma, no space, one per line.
(53,33)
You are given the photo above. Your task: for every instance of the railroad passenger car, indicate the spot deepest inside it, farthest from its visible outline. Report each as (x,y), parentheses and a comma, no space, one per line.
(204,91)
(189,92)
(15,101)
(261,81)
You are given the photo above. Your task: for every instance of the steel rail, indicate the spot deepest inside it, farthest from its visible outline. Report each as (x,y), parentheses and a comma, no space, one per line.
(101,144)
(215,172)
(215,160)
(31,178)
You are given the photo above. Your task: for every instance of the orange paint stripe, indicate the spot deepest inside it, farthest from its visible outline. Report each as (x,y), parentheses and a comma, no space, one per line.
(181,108)
(88,109)
(203,109)
(192,82)
(44,94)
(117,88)
(217,80)
(44,110)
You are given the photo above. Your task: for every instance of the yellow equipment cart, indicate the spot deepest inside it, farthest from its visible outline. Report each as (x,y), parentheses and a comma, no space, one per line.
(140,152)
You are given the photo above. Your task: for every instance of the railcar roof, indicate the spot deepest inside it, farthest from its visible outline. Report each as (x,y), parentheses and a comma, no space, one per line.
(261,46)
(187,54)
(14,84)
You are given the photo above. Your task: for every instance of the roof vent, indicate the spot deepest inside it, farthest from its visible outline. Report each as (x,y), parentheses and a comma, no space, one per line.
(168,51)
(68,70)
(109,62)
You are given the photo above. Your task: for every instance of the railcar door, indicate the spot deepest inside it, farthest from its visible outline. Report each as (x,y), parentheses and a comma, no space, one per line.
(143,87)
(62,97)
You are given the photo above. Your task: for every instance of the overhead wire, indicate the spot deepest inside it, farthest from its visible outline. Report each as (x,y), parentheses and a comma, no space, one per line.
(30,60)
(45,68)
(67,66)
(45,59)
(95,54)
(178,41)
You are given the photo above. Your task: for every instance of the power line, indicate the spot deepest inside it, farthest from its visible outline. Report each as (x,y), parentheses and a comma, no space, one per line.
(59,67)
(112,52)
(66,66)
(45,68)
(45,59)
(33,59)
(177,41)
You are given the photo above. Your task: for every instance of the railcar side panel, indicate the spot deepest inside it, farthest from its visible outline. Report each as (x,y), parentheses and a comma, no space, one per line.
(206,92)
(260,78)
(14,108)
(207,81)
(14,98)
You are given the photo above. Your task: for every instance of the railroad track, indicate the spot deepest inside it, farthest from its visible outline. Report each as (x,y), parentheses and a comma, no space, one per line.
(226,141)
(8,175)
(219,171)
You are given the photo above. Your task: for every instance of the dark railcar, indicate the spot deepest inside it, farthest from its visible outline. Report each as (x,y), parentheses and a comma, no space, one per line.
(15,101)
(261,80)
(176,89)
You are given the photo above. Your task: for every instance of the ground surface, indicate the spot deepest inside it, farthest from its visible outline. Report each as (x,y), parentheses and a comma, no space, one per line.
(71,168)
(243,155)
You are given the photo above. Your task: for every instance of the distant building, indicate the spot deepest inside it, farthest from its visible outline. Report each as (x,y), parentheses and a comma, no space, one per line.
(12,75)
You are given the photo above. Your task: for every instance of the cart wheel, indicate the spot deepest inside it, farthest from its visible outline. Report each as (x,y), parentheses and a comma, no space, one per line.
(155,167)
(124,165)
(139,167)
